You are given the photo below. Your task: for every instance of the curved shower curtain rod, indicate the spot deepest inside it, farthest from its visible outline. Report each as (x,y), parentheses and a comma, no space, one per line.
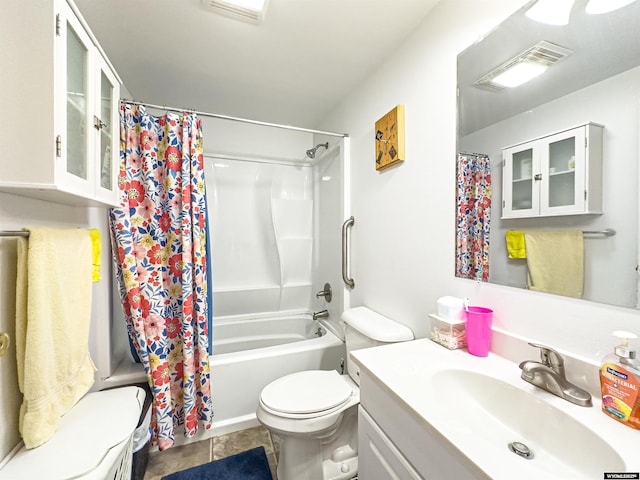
(236,119)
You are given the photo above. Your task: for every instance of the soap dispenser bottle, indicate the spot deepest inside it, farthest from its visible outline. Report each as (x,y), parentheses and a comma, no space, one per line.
(620,382)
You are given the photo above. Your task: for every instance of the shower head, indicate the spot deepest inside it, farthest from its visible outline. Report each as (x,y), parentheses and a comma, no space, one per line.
(311,153)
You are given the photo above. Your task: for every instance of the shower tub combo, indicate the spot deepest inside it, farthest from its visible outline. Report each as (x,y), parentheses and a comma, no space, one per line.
(250,351)
(272,225)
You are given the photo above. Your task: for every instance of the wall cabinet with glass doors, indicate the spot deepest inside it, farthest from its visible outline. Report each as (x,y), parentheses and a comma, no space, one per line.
(559,174)
(61,134)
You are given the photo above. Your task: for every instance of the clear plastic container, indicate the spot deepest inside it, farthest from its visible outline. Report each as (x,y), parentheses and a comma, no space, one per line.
(447,332)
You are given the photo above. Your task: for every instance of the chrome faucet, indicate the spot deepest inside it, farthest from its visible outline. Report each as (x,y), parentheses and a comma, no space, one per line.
(548,374)
(320,314)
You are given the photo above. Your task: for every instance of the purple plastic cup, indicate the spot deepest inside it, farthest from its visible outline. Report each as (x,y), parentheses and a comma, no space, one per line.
(478,326)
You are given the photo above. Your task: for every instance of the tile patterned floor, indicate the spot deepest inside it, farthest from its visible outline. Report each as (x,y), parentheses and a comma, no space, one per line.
(186,456)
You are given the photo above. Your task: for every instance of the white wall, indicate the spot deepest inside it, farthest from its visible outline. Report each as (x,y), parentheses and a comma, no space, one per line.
(404,235)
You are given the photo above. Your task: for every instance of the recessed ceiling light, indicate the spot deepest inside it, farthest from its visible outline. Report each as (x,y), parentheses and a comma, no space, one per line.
(252,11)
(605,6)
(551,12)
(520,73)
(524,66)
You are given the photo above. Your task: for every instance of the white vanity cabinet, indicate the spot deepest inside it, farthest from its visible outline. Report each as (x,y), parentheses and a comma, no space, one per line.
(427,412)
(559,174)
(378,457)
(395,442)
(60,137)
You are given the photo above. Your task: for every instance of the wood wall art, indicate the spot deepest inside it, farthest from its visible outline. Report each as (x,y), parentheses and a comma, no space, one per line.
(390,138)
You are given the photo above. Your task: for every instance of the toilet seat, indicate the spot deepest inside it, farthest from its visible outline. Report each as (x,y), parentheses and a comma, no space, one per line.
(306,394)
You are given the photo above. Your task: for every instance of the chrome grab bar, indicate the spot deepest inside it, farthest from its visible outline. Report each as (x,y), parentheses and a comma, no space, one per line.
(346,261)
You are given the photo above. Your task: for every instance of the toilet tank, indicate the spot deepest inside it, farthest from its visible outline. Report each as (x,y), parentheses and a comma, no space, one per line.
(365,328)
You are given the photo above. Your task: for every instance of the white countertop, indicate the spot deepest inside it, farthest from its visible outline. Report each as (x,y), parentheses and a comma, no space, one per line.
(408,370)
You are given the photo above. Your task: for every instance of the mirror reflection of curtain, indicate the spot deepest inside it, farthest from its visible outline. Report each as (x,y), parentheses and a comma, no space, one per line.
(473,216)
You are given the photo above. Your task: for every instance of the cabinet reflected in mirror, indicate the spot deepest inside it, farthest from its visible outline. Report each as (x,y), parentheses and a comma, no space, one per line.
(596,87)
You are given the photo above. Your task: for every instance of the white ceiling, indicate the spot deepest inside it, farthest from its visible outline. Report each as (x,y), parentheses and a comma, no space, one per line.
(292,69)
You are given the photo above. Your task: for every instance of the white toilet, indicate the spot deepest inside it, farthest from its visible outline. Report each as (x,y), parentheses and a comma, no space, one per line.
(315,413)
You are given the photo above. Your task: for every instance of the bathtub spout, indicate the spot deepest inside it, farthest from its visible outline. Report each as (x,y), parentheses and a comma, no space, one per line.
(320,314)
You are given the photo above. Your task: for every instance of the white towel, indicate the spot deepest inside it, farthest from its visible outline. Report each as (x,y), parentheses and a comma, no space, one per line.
(53,313)
(555,261)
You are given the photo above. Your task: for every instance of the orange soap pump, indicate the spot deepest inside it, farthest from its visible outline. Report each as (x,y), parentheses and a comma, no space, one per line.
(620,382)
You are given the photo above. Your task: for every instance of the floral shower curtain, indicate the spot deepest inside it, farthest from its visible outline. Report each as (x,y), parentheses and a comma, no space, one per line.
(159,248)
(473,216)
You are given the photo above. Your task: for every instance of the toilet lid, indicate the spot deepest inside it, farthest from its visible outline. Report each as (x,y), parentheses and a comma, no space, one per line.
(100,423)
(306,392)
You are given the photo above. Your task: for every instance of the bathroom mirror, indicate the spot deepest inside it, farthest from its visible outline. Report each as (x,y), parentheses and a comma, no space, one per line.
(598,81)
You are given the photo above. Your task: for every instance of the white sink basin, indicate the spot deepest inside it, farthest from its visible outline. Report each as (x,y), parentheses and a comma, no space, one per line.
(497,413)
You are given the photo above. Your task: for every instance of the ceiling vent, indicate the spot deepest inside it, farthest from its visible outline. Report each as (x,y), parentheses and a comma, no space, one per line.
(534,61)
(250,11)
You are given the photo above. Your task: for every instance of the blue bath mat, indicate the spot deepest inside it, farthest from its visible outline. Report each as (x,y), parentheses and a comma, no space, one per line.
(249,465)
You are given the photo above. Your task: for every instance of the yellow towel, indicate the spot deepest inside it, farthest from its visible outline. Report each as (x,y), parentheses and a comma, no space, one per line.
(555,261)
(515,244)
(53,312)
(94,233)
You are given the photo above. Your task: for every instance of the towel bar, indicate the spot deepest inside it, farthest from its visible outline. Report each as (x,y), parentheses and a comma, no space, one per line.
(16,233)
(607,232)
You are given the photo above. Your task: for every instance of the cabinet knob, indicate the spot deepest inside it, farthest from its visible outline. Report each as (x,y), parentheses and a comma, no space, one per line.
(537,176)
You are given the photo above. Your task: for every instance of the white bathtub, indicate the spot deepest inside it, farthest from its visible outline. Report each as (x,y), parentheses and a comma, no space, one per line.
(251,351)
